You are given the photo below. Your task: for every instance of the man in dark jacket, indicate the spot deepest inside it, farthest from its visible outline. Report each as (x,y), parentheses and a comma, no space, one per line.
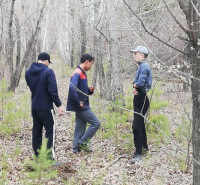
(78,101)
(141,85)
(42,83)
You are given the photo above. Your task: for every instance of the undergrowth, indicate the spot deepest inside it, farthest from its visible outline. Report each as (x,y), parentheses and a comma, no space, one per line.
(12,113)
(41,166)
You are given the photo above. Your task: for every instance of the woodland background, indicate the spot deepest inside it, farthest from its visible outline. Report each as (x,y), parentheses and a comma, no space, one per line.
(108,30)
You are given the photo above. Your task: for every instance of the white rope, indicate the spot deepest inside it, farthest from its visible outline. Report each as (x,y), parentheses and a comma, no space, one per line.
(140,115)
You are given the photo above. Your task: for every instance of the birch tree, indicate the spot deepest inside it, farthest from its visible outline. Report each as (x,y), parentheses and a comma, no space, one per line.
(99,73)
(30,44)
(10,43)
(114,68)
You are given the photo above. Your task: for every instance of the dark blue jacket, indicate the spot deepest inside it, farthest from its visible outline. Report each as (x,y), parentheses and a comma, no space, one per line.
(79,80)
(42,83)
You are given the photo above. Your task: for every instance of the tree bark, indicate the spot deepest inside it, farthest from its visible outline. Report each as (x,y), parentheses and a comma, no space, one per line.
(83,37)
(102,78)
(18,35)
(96,70)
(17,74)
(83,28)
(117,88)
(46,25)
(109,77)
(72,40)
(186,68)
(195,86)
(190,10)
(10,47)
(1,35)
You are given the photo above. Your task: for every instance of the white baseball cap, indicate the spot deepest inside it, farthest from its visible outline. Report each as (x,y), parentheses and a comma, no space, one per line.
(141,49)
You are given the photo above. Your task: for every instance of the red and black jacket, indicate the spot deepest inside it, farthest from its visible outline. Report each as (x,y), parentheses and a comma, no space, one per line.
(79,81)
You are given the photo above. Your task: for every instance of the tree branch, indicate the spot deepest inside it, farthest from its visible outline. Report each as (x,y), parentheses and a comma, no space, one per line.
(188,11)
(107,166)
(152,33)
(100,31)
(195,8)
(181,26)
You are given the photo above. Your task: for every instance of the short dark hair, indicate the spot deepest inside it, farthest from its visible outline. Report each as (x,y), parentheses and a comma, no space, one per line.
(145,55)
(85,57)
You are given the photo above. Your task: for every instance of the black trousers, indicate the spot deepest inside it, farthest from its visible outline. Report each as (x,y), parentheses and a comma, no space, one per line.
(42,119)
(141,105)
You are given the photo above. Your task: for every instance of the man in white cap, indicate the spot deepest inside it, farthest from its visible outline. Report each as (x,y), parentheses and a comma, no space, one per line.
(141,85)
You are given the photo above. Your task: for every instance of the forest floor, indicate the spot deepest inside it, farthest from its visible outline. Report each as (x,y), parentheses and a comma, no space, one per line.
(109,163)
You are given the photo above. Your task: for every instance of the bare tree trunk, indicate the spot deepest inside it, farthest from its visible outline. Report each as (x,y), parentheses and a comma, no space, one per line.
(94,51)
(191,11)
(83,36)
(186,69)
(83,27)
(102,78)
(96,70)
(1,36)
(72,55)
(11,43)
(117,88)
(28,59)
(17,74)
(109,77)
(31,57)
(46,25)
(96,64)
(195,86)
(18,35)
(72,41)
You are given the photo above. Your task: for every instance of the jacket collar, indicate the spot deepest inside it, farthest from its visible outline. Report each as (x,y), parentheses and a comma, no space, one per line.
(142,61)
(81,69)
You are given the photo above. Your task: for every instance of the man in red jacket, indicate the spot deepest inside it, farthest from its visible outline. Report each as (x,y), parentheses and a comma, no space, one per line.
(79,103)
(42,83)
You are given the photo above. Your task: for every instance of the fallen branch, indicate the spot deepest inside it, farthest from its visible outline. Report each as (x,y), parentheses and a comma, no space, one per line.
(103,169)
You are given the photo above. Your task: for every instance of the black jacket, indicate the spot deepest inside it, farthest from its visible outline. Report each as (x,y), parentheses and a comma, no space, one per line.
(42,83)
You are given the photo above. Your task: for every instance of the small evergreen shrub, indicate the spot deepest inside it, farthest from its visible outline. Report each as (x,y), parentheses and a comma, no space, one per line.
(162,122)
(182,131)
(42,165)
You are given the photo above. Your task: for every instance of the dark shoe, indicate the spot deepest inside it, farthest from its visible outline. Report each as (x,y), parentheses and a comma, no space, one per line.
(136,158)
(56,164)
(85,148)
(76,150)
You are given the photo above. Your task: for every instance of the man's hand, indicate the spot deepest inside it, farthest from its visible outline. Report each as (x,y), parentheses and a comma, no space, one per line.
(134,86)
(135,92)
(92,89)
(60,109)
(81,104)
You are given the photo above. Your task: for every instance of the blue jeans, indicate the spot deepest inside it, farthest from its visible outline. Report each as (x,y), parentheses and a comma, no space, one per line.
(81,136)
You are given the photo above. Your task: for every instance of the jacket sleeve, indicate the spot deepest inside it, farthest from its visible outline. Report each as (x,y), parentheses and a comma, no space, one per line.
(73,92)
(142,77)
(52,88)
